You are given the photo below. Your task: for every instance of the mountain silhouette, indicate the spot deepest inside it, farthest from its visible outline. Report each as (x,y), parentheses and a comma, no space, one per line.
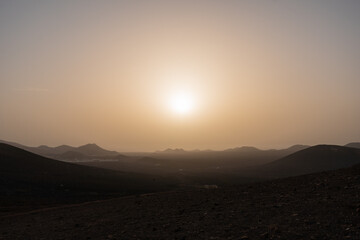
(60,151)
(50,151)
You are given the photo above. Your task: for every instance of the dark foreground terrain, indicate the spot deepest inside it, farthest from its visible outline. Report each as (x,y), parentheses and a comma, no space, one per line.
(317,206)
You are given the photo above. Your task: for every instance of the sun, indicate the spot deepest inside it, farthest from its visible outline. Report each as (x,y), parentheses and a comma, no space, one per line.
(182,103)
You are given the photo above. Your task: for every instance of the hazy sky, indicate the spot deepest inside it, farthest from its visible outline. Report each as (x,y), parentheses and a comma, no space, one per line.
(119,73)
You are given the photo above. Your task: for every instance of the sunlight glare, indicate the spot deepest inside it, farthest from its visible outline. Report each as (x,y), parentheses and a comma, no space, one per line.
(182,103)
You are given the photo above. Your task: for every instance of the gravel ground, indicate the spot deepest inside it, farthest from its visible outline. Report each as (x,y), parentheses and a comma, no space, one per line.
(316,206)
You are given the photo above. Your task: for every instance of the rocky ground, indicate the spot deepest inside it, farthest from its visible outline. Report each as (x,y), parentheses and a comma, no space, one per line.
(316,206)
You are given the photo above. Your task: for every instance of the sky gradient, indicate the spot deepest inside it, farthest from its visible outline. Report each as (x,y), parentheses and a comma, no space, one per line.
(263,73)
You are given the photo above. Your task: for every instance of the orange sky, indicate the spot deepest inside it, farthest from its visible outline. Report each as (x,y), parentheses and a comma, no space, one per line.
(261,73)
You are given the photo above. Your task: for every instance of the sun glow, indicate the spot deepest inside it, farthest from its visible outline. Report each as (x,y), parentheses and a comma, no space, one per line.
(182,103)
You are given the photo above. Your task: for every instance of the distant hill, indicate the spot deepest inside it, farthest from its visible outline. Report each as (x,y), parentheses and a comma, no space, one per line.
(49,151)
(95,150)
(313,159)
(61,149)
(242,149)
(353,145)
(22,171)
(170,150)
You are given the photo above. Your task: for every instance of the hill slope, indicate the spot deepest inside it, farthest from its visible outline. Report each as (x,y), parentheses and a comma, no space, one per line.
(314,159)
(353,145)
(28,173)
